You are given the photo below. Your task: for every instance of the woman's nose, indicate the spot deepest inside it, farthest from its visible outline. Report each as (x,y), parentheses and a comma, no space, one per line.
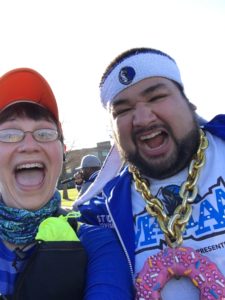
(28,143)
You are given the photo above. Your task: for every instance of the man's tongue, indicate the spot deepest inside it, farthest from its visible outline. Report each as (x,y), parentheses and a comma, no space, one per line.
(30,177)
(155,142)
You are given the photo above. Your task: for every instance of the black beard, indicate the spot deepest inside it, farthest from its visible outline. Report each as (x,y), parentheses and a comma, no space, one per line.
(183,154)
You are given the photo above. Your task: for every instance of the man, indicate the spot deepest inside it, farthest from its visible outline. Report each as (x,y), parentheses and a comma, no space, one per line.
(88,169)
(78,180)
(167,203)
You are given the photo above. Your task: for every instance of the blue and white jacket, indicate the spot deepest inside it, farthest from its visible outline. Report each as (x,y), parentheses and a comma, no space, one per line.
(114,208)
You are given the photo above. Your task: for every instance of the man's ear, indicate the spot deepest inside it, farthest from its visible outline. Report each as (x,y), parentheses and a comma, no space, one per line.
(192,106)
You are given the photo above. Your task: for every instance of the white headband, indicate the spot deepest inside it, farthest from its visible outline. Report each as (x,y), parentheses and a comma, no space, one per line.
(135,68)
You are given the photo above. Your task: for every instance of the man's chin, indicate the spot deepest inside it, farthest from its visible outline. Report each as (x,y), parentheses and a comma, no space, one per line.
(159,167)
(157,171)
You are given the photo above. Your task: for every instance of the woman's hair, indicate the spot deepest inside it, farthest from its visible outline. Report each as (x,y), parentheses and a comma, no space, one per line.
(31,111)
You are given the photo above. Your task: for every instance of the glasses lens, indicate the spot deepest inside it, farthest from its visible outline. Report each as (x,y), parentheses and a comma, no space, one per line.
(11,135)
(45,135)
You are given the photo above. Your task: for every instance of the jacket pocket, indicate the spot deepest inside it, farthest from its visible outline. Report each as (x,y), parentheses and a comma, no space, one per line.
(55,271)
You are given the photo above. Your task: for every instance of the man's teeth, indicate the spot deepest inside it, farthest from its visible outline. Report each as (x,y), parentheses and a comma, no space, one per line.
(150,136)
(30,165)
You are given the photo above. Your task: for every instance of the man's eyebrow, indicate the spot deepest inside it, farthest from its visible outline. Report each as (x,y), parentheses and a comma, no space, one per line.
(119,102)
(143,93)
(153,88)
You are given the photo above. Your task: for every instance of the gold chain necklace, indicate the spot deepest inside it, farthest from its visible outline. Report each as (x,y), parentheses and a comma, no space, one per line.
(177,261)
(173,226)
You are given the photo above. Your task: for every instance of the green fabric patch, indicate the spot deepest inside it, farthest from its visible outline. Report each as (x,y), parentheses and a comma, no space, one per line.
(57,229)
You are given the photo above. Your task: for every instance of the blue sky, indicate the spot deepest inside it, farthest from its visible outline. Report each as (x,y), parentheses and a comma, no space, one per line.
(71,42)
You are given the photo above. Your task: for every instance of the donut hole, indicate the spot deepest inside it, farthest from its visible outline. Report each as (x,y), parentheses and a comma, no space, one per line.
(180,289)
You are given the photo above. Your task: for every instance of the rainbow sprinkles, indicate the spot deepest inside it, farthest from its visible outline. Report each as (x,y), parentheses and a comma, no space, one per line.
(180,262)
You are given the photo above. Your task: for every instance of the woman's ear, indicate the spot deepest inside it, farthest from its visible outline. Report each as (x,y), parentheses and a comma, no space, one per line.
(64,156)
(64,152)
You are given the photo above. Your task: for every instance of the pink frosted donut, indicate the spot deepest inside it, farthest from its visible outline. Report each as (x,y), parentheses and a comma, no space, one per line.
(181,262)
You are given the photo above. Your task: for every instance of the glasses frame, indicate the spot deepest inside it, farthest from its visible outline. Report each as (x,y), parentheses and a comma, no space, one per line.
(22,134)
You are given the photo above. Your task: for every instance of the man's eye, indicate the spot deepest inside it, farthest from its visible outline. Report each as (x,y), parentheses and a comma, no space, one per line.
(157,97)
(120,111)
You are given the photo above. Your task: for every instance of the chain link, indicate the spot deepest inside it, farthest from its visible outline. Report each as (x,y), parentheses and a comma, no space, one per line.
(173,226)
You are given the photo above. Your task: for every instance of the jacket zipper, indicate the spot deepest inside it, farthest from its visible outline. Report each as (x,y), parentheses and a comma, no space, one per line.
(121,241)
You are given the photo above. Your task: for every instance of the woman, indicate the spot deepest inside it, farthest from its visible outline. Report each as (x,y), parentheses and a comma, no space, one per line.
(41,256)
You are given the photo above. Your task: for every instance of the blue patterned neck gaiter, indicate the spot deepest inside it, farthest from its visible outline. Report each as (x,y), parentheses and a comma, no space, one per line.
(19,226)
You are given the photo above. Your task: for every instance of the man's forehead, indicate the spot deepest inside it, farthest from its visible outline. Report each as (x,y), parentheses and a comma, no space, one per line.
(142,88)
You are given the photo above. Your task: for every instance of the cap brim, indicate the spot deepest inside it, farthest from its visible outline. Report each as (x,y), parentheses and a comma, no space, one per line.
(78,169)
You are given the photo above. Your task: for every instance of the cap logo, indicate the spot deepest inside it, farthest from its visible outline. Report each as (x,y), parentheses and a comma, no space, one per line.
(126,75)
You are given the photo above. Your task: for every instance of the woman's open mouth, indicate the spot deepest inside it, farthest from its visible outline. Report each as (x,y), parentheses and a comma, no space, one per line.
(30,174)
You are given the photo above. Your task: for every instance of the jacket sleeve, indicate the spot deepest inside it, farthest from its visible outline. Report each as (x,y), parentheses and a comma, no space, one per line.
(93,211)
(108,273)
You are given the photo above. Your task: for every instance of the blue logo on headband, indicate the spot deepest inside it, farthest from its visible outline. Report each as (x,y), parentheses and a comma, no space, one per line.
(126,75)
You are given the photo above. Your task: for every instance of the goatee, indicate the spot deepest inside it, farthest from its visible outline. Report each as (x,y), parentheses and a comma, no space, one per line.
(185,149)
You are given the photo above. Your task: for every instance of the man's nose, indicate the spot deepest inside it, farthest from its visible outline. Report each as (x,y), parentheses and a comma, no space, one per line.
(143,115)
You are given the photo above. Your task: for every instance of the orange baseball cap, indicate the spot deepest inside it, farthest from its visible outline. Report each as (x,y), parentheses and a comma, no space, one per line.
(27,85)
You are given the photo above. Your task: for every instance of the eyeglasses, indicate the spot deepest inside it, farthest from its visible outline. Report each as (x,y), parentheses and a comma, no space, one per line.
(42,135)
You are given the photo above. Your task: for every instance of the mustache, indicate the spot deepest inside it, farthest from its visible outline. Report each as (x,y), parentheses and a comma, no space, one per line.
(137,131)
